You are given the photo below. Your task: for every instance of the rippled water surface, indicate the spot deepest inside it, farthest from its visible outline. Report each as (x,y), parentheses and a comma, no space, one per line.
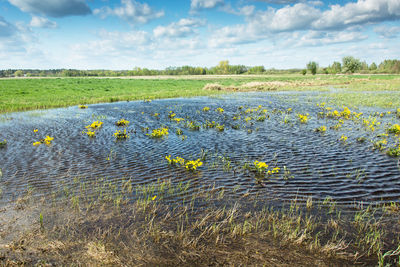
(319,164)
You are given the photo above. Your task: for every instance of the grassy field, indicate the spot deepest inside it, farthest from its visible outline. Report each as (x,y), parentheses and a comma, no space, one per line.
(30,94)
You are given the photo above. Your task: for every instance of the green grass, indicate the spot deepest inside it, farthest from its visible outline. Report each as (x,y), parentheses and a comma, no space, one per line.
(31,94)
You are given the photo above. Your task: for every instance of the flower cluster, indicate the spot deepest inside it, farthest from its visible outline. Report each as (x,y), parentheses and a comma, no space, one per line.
(119,134)
(46,141)
(159,133)
(261,167)
(122,122)
(90,129)
(95,125)
(303,118)
(220,110)
(190,165)
(205,109)
(82,106)
(343,138)
(395,129)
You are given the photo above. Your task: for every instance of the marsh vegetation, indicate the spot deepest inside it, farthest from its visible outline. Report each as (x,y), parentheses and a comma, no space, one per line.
(292,170)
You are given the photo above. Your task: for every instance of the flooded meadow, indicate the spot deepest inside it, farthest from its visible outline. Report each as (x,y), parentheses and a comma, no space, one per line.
(294,150)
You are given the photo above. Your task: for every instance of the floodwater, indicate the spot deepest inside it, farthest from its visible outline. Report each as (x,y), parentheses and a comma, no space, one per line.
(317,165)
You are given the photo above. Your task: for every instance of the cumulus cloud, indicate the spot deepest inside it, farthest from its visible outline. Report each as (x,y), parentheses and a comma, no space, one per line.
(131,11)
(6,29)
(182,28)
(387,32)
(41,22)
(205,4)
(288,18)
(53,8)
(308,16)
(361,12)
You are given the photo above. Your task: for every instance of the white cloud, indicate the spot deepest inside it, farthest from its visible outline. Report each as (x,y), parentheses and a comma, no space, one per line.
(41,22)
(288,18)
(182,28)
(387,32)
(205,4)
(359,13)
(53,8)
(229,35)
(131,11)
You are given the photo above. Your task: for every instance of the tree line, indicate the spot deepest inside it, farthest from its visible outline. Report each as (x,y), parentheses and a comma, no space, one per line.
(348,65)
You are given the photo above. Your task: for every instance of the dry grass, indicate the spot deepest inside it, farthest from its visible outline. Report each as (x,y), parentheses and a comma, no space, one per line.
(201,230)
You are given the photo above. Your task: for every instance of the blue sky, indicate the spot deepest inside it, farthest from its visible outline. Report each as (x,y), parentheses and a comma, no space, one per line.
(123,34)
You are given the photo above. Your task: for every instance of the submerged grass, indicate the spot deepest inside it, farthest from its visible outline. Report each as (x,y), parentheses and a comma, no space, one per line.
(30,94)
(99,223)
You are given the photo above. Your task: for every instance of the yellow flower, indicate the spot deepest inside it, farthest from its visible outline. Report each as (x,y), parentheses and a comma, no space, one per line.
(153,198)
(122,122)
(90,133)
(95,125)
(35,130)
(36,143)
(160,132)
(303,118)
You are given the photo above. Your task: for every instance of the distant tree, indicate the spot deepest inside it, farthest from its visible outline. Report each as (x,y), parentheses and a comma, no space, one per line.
(303,71)
(390,66)
(19,73)
(312,67)
(364,65)
(373,66)
(256,70)
(336,67)
(351,64)
(223,67)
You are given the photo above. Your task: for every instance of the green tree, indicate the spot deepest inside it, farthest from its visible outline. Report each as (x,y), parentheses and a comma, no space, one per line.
(373,66)
(256,70)
(336,67)
(304,71)
(19,73)
(351,64)
(223,67)
(312,67)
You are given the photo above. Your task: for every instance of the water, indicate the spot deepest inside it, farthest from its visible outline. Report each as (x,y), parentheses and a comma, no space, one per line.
(320,166)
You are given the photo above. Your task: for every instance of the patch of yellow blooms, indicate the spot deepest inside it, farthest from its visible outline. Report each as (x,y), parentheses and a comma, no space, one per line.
(46,141)
(160,132)
(262,167)
(303,118)
(190,165)
(122,122)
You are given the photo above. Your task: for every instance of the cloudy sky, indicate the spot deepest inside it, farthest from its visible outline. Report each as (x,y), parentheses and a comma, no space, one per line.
(122,34)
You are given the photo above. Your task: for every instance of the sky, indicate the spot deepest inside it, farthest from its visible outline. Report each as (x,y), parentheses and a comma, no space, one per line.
(124,34)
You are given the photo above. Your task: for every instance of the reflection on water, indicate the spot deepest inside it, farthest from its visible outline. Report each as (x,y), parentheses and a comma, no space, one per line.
(319,165)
